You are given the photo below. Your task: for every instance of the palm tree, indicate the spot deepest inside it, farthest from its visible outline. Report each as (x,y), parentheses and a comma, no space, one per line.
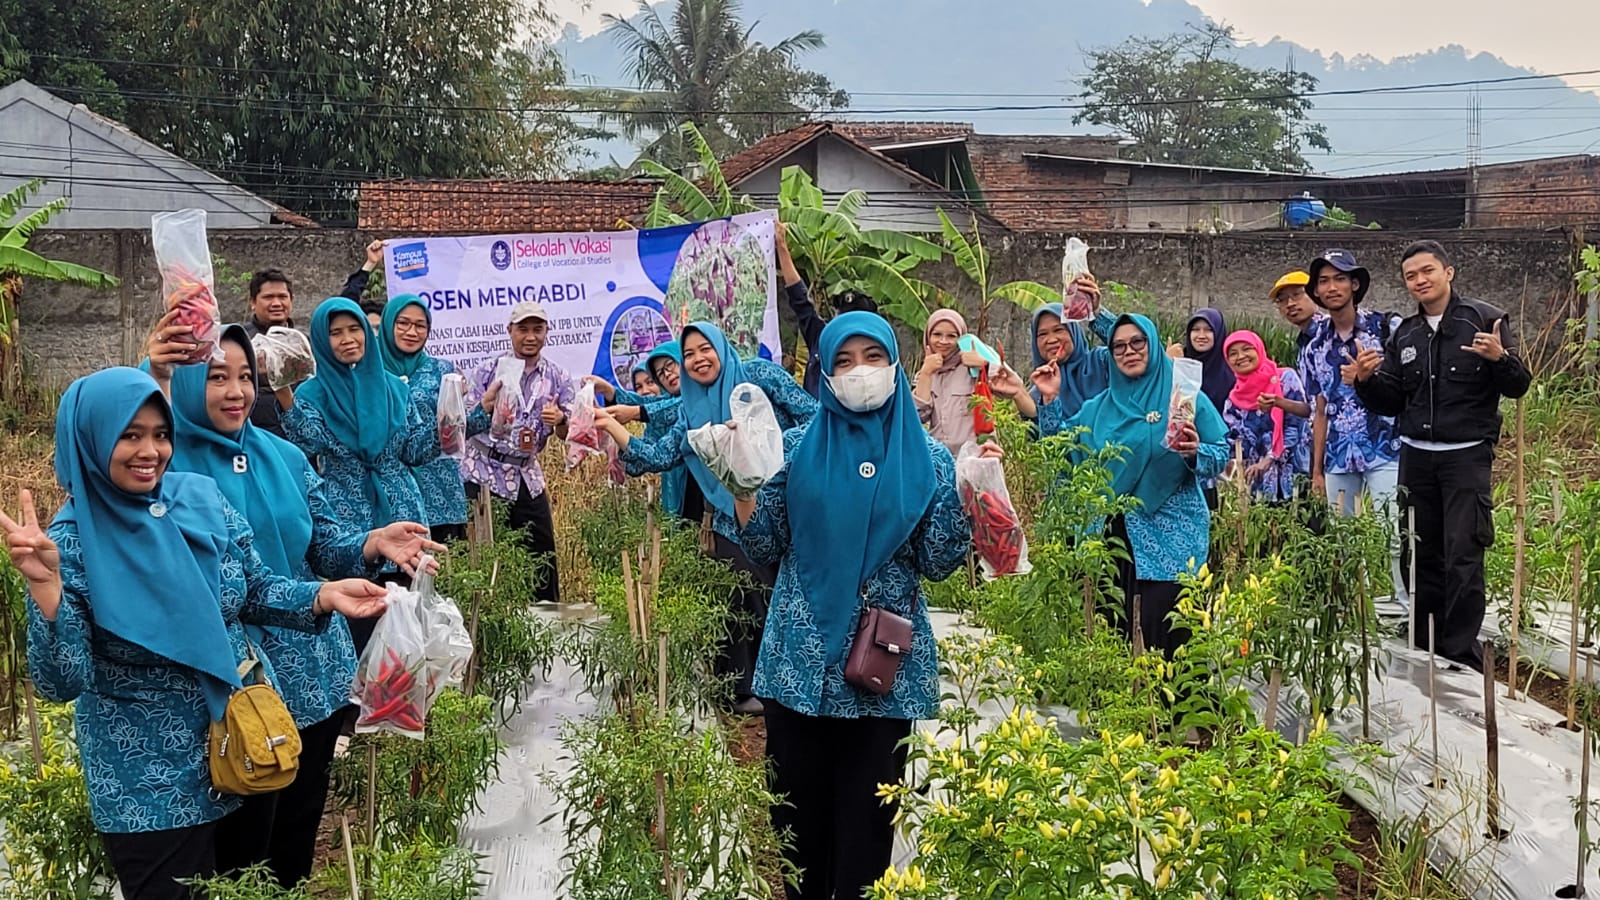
(687,72)
(18,262)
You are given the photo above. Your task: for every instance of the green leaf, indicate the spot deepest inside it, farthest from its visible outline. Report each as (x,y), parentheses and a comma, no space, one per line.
(15,198)
(691,201)
(902,243)
(20,232)
(969,256)
(1030,295)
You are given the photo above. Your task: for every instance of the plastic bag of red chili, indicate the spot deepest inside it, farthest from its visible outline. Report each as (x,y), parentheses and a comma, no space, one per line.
(1186,377)
(184,260)
(418,648)
(997,533)
(452,417)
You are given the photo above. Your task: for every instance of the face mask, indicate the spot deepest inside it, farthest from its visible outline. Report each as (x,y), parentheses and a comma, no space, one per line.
(864,388)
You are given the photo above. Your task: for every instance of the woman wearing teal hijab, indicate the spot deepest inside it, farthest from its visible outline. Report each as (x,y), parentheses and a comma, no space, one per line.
(865,509)
(360,422)
(404,331)
(680,496)
(1169,533)
(146,631)
(714,370)
(272,484)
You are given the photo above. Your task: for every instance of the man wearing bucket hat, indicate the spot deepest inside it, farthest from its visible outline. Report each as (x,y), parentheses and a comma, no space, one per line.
(1354,450)
(1442,374)
(505,459)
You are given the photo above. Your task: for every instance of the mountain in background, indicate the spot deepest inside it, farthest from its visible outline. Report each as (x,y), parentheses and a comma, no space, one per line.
(1028,53)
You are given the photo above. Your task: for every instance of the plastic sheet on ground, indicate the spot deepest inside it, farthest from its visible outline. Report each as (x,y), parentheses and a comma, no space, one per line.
(1539,772)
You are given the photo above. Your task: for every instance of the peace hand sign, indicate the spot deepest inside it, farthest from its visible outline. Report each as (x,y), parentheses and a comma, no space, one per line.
(35,556)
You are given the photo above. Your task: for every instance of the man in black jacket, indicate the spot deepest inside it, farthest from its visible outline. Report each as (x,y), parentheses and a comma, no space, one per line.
(1442,374)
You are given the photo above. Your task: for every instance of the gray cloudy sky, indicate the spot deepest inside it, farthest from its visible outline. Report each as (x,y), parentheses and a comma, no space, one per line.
(1545,35)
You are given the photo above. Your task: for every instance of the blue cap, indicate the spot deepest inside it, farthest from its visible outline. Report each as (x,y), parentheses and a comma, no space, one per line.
(1344,261)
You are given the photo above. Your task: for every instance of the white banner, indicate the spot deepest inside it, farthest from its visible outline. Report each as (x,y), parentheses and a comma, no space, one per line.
(612,297)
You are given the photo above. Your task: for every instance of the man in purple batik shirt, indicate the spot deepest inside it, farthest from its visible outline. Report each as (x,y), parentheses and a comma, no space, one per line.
(506,459)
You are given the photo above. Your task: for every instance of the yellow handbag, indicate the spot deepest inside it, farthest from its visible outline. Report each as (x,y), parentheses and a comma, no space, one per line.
(255,749)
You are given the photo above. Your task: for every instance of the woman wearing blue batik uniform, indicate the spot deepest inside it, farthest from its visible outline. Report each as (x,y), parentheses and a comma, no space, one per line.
(680,494)
(137,600)
(404,334)
(1267,434)
(714,370)
(271,483)
(359,422)
(1169,533)
(865,509)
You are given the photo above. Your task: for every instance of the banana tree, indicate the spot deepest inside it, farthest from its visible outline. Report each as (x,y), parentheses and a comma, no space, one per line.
(17,262)
(837,256)
(972,259)
(680,200)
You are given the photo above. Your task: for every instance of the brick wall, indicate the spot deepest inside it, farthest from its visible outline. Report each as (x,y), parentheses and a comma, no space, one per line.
(69,331)
(1028,196)
(1539,193)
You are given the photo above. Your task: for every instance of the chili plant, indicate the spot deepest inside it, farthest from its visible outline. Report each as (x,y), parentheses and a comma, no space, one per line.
(623,774)
(52,849)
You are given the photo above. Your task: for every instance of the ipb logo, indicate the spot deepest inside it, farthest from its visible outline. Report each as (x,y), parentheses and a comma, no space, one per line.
(500,255)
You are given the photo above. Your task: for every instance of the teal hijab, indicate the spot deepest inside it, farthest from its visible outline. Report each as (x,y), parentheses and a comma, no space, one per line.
(262,475)
(670,350)
(364,406)
(1084,373)
(1132,413)
(844,526)
(708,404)
(153,561)
(396,361)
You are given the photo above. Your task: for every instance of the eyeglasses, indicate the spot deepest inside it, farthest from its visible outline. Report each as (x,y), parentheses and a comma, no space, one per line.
(410,325)
(1137,345)
(1286,296)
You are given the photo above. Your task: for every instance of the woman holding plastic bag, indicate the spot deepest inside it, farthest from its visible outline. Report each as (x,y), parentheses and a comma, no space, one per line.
(404,333)
(864,509)
(360,423)
(1169,533)
(137,597)
(272,484)
(680,494)
(714,371)
(955,366)
(1258,420)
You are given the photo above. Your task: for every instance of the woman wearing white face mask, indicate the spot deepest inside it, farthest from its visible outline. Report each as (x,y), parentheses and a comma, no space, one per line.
(871,510)
(713,370)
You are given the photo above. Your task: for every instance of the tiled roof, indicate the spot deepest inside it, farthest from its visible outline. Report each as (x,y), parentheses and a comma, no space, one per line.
(769,150)
(488,206)
(879,134)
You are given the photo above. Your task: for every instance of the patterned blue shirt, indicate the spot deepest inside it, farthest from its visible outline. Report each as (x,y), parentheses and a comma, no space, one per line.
(793,407)
(315,671)
(444,495)
(1358,440)
(791,668)
(1251,431)
(345,473)
(141,720)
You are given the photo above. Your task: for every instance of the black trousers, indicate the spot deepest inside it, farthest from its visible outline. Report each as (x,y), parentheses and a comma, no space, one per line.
(1451,493)
(280,829)
(532,515)
(826,773)
(1156,599)
(736,661)
(148,864)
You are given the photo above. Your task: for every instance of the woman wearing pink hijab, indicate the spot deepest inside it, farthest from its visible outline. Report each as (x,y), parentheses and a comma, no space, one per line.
(944,386)
(1258,418)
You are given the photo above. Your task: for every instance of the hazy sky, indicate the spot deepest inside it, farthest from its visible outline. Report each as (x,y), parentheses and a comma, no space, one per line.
(1545,35)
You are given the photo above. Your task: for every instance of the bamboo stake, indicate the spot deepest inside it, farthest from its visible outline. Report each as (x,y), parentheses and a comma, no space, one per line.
(1491,732)
(1583,793)
(634,624)
(1572,651)
(372,807)
(33,727)
(1138,627)
(349,856)
(1274,684)
(1519,519)
(1366,655)
(1433,705)
(1088,606)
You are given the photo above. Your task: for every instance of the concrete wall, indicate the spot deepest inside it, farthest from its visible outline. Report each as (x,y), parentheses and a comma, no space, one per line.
(70,331)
